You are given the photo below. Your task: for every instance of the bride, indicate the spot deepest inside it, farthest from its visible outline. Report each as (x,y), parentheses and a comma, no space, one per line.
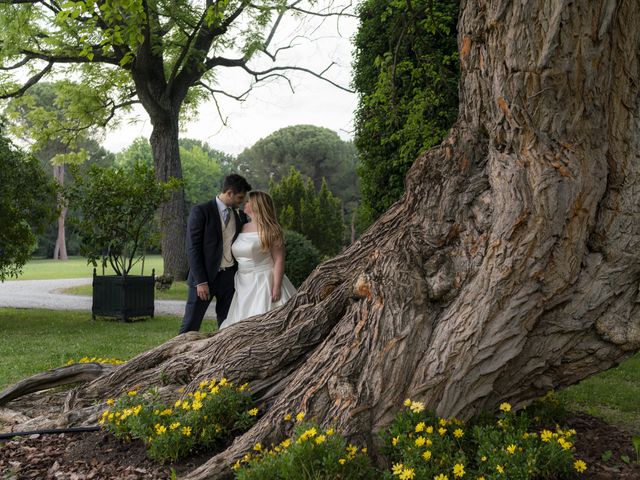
(259,249)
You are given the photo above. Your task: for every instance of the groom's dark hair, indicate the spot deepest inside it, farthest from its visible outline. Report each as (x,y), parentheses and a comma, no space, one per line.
(236,183)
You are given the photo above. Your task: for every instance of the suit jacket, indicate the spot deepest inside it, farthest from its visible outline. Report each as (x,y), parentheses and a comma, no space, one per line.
(204,241)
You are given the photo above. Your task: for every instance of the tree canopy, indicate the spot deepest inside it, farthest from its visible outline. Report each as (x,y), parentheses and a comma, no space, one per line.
(406,73)
(315,152)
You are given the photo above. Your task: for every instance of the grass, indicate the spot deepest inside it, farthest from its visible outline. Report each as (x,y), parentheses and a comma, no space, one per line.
(37,340)
(613,395)
(76,267)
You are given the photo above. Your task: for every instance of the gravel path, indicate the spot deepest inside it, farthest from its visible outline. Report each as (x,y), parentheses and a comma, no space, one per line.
(46,294)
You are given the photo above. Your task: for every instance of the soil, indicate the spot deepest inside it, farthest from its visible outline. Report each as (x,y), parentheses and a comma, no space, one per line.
(98,455)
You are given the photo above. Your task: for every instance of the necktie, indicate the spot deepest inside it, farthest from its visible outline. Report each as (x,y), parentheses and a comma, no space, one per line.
(227,216)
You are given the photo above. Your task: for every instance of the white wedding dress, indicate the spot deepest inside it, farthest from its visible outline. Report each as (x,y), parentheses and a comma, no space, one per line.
(254,280)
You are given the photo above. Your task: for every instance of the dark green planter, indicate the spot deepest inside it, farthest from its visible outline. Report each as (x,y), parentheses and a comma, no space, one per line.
(123,297)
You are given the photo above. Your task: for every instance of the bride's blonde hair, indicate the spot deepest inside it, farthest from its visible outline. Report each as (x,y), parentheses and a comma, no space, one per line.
(264,214)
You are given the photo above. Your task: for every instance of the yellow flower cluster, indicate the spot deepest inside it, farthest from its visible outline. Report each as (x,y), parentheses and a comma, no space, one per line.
(110,361)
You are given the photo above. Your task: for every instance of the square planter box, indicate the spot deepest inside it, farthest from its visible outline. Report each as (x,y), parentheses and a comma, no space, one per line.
(123,297)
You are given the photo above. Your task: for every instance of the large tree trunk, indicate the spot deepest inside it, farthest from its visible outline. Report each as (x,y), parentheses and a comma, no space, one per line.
(510,266)
(60,249)
(166,156)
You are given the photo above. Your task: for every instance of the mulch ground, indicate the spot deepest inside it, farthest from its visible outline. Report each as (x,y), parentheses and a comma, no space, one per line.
(99,456)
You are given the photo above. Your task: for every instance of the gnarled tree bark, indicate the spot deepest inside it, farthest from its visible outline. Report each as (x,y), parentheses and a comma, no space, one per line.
(510,266)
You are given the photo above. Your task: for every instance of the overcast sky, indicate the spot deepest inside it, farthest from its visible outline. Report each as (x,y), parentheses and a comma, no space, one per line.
(273,106)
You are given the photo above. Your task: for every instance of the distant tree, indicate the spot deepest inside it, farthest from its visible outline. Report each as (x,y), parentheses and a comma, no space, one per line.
(315,214)
(203,167)
(316,152)
(41,119)
(302,257)
(26,197)
(406,73)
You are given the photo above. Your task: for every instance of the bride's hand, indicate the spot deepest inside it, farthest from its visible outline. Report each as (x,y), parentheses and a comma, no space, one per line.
(275,295)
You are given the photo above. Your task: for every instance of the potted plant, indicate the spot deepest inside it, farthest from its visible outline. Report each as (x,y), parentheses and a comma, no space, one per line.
(115,219)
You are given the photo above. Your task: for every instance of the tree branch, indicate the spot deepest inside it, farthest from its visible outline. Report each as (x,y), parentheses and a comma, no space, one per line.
(257,74)
(241,98)
(29,83)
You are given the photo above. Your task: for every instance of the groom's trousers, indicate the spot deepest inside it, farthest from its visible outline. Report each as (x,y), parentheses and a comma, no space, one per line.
(222,289)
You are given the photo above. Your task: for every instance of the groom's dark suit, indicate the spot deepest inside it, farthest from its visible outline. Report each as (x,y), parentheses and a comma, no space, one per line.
(204,253)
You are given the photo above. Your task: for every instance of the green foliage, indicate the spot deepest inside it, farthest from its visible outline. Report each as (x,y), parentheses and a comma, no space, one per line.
(422,445)
(302,257)
(316,215)
(26,197)
(116,208)
(203,168)
(207,418)
(316,152)
(406,72)
(310,454)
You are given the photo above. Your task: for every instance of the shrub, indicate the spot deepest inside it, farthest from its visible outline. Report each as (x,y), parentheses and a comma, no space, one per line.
(311,454)
(424,446)
(208,417)
(302,257)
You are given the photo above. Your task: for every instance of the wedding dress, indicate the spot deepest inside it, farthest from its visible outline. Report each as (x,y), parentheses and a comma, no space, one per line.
(254,280)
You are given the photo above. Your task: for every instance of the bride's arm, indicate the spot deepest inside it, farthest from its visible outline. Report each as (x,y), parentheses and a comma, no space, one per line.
(277,254)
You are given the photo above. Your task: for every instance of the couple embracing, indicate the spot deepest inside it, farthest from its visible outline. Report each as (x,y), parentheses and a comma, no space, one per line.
(235,256)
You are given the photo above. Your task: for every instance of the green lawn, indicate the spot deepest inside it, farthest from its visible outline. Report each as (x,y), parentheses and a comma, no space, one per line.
(37,340)
(76,267)
(613,395)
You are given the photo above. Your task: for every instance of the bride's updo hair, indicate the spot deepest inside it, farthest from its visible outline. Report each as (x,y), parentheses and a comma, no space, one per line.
(264,214)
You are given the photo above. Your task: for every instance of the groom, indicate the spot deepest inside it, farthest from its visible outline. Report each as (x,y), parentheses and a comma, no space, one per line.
(211,229)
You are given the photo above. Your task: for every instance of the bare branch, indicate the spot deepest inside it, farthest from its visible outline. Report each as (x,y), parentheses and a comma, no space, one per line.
(241,98)
(29,83)
(54,58)
(257,74)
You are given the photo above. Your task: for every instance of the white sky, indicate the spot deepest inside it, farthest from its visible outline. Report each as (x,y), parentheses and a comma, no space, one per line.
(272,106)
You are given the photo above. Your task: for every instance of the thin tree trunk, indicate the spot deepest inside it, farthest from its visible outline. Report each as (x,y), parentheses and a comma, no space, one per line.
(166,156)
(60,249)
(509,267)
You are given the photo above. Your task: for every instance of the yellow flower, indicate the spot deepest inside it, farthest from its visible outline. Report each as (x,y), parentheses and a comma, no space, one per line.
(442,476)
(364,450)
(185,405)
(394,441)
(428,442)
(443,422)
(417,407)
(204,383)
(442,431)
(174,425)
(180,390)
(480,478)
(505,407)
(407,474)
(420,427)
(484,458)
(132,393)
(197,405)
(458,433)
(320,439)
(286,443)
(223,382)
(214,390)
(258,447)
(253,412)
(564,444)
(397,468)
(499,468)
(287,417)
(342,461)
(420,441)
(429,429)
(407,402)
(236,465)
(300,416)
(186,431)
(458,470)
(426,455)
(165,412)
(177,404)
(160,429)
(511,449)
(111,401)
(330,432)
(351,451)
(580,466)
(243,387)
(546,435)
